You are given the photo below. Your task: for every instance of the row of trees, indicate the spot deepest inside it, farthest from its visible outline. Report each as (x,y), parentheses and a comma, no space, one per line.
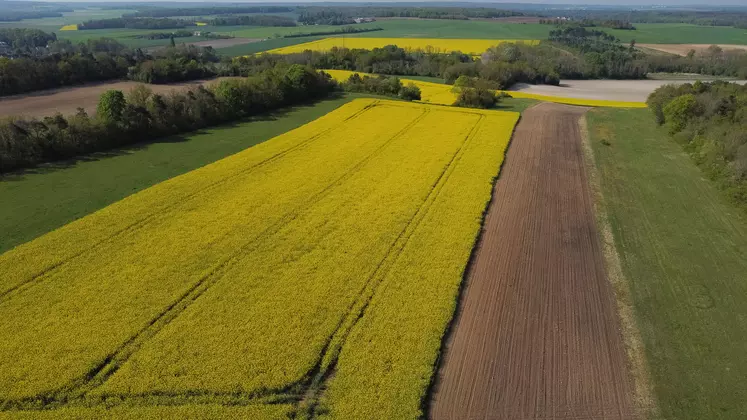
(18,15)
(135,23)
(710,121)
(342,31)
(175,64)
(313,15)
(732,17)
(590,23)
(66,64)
(141,115)
(382,85)
(22,38)
(203,11)
(253,20)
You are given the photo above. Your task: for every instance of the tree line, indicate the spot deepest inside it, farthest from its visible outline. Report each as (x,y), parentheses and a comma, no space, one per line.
(319,15)
(381,85)
(727,17)
(18,15)
(203,11)
(590,23)
(710,121)
(23,38)
(64,64)
(253,20)
(142,115)
(135,23)
(341,31)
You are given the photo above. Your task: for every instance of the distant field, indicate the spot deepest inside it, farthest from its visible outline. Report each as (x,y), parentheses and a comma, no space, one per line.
(53,24)
(684,252)
(469,46)
(262,46)
(327,255)
(438,93)
(681,33)
(419,28)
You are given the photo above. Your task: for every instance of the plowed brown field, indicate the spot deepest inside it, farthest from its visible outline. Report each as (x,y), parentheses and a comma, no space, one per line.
(67,100)
(537,334)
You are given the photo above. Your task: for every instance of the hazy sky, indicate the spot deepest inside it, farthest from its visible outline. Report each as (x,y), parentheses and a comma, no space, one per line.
(714,3)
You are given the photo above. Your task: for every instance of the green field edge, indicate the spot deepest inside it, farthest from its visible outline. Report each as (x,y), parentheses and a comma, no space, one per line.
(683,251)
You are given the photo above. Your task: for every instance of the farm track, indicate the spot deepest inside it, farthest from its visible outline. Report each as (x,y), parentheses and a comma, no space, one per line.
(536,335)
(163,211)
(357,311)
(100,373)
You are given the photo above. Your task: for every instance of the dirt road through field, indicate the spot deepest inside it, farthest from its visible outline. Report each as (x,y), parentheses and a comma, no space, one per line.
(537,335)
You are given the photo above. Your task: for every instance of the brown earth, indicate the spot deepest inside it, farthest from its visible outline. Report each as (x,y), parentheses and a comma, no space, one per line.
(537,334)
(683,49)
(67,100)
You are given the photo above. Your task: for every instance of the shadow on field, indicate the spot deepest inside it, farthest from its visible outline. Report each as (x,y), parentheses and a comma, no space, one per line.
(49,167)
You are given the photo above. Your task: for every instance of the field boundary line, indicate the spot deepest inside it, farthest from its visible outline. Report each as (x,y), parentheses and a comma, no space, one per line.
(644,397)
(328,361)
(425,403)
(6,295)
(97,376)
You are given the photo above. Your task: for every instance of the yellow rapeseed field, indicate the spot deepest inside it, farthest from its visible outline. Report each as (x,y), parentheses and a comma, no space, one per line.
(73,27)
(436,93)
(235,284)
(467,46)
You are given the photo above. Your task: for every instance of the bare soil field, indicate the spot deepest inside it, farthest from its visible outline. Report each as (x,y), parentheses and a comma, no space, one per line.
(67,100)
(612,90)
(536,335)
(683,49)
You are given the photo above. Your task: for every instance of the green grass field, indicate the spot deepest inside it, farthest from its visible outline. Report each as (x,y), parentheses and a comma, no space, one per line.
(424,28)
(684,252)
(53,24)
(681,33)
(257,47)
(48,197)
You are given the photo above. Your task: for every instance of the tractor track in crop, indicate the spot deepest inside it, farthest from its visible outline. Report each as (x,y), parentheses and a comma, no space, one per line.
(163,211)
(76,391)
(327,362)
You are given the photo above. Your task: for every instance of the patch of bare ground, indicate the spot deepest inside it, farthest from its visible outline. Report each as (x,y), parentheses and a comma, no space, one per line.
(67,100)
(683,49)
(537,334)
(611,90)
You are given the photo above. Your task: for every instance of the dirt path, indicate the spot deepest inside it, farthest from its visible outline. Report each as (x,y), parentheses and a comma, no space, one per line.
(537,334)
(613,90)
(683,49)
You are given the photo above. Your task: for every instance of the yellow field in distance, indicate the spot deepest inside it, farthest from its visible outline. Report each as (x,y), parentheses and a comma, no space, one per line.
(73,27)
(441,94)
(265,281)
(467,46)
